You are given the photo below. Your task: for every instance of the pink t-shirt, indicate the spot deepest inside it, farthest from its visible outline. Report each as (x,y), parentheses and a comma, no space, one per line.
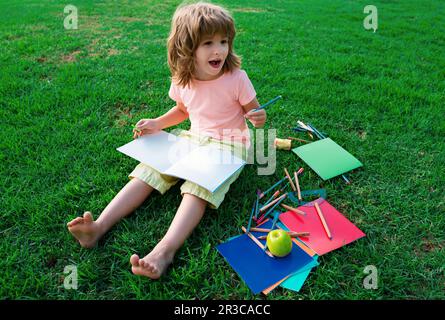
(215,106)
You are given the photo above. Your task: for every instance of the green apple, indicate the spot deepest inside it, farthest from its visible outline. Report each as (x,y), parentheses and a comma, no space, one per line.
(279,243)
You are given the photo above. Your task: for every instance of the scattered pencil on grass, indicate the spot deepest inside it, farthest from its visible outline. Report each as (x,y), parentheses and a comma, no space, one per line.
(279,200)
(275,185)
(259,193)
(290,180)
(264,208)
(297,183)
(300,140)
(276,193)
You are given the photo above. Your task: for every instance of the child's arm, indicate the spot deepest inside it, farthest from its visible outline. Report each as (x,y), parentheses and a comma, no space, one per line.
(257,118)
(174,116)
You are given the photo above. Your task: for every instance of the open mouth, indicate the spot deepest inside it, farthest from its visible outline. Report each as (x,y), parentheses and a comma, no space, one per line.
(215,63)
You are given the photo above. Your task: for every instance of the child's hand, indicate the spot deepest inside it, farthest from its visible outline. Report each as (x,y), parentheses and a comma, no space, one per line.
(257,118)
(146,126)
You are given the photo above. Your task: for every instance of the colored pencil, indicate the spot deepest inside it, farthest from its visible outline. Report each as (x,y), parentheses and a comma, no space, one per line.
(272,203)
(291,234)
(301,140)
(259,193)
(251,236)
(271,209)
(260,230)
(273,187)
(290,180)
(257,205)
(323,221)
(268,103)
(318,133)
(304,126)
(297,183)
(251,215)
(285,186)
(293,209)
(275,219)
(276,193)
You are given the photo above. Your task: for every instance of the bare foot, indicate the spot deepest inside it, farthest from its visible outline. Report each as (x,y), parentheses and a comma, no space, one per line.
(154,264)
(85,230)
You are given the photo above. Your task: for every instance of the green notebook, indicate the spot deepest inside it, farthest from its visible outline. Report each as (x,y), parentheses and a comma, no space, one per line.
(327,158)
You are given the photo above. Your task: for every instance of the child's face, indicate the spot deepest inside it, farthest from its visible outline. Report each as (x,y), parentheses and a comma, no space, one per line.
(210,57)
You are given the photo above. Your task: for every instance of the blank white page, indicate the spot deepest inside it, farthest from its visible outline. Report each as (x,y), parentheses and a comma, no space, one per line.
(160,150)
(207,166)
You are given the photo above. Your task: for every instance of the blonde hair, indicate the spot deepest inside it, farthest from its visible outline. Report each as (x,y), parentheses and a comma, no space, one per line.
(191,23)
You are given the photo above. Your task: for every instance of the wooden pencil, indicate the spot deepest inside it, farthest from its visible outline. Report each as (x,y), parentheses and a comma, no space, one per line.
(251,236)
(293,209)
(303,233)
(271,209)
(276,193)
(297,183)
(272,203)
(292,235)
(260,230)
(323,221)
(290,180)
(273,187)
(251,215)
(301,140)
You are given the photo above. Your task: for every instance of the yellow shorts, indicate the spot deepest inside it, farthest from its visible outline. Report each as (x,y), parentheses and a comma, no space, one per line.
(162,182)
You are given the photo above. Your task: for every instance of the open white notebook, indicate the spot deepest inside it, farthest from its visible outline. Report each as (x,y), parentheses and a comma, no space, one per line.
(207,166)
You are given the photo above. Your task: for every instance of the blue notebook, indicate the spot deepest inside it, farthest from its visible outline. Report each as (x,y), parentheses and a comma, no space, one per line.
(258,270)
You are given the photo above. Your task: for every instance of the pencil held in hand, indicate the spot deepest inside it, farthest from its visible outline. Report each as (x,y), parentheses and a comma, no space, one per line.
(146,126)
(257,118)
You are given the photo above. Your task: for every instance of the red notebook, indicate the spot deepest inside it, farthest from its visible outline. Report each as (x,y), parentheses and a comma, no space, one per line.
(342,230)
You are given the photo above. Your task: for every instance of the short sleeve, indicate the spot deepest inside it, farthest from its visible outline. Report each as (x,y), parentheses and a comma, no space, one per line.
(246,91)
(174,93)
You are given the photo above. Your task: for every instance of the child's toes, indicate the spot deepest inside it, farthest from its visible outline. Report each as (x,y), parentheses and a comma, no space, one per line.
(134,260)
(142,263)
(88,217)
(76,221)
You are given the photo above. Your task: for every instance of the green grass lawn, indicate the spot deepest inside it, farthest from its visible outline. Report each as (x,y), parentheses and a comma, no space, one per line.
(69,98)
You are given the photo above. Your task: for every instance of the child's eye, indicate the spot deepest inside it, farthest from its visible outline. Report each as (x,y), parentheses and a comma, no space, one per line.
(207,43)
(224,41)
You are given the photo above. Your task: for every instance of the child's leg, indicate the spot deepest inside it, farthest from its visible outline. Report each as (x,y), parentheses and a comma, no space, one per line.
(88,232)
(187,217)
